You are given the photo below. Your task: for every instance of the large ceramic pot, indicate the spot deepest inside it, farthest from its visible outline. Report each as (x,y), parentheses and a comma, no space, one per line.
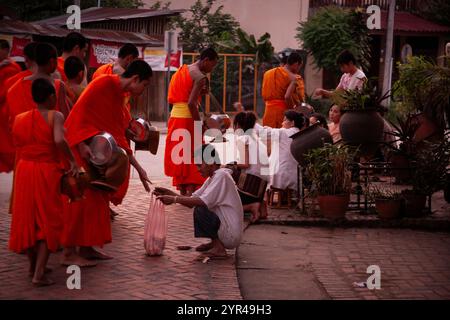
(363,129)
(310,138)
(333,207)
(388,208)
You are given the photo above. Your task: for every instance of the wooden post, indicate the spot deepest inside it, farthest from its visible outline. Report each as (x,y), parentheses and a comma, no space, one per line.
(240,79)
(224,99)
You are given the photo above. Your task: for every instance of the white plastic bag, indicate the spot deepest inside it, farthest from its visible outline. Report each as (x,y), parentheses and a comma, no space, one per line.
(155,229)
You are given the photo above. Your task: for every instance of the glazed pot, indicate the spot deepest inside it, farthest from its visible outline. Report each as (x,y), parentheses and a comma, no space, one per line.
(308,139)
(388,208)
(333,207)
(363,129)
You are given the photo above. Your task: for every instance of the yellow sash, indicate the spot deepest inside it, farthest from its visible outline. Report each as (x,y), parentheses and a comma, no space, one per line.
(181,110)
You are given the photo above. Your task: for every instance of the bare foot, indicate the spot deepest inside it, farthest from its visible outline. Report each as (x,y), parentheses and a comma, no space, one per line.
(78,261)
(43,282)
(204,247)
(263,211)
(93,254)
(216,253)
(46,271)
(254,209)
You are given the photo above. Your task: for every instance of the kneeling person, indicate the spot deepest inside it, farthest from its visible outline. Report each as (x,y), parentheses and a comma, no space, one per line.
(218,212)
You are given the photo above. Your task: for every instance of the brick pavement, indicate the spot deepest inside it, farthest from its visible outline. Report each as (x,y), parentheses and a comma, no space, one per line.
(414,264)
(131,274)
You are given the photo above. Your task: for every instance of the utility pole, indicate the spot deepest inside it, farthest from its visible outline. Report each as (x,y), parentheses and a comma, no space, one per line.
(388,60)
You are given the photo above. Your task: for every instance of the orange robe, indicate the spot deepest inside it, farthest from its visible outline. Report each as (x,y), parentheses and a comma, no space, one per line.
(37,208)
(60,68)
(7,151)
(104,69)
(180,118)
(19,98)
(275,84)
(118,196)
(100,108)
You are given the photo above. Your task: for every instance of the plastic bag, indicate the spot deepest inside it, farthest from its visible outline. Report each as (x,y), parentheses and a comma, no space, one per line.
(155,229)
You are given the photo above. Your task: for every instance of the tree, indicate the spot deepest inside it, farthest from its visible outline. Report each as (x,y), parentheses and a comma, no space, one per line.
(201,27)
(332,30)
(159,5)
(436,10)
(32,10)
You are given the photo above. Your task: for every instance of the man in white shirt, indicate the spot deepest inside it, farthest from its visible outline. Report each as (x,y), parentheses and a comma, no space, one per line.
(218,212)
(352,78)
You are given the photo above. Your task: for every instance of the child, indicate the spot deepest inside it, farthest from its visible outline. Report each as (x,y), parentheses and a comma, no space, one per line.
(74,70)
(37,205)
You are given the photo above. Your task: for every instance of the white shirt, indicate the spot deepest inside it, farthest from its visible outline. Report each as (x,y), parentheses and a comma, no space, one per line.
(352,82)
(258,159)
(220,195)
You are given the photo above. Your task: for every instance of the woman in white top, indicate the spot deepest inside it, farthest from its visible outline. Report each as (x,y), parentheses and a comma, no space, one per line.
(283,166)
(253,159)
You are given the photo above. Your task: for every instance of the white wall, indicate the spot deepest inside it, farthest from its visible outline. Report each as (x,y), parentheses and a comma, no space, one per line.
(278,17)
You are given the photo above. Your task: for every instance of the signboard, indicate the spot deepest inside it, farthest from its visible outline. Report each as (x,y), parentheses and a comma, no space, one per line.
(157,59)
(172,37)
(17,43)
(103,52)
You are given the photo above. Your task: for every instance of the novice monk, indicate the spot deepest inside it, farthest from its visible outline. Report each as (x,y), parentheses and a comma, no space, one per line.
(185,91)
(19,97)
(101,108)
(282,89)
(37,209)
(74,70)
(8,68)
(75,44)
(218,212)
(127,54)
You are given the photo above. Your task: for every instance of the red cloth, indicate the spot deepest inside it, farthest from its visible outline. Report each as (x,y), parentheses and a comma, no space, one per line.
(37,208)
(60,68)
(100,108)
(7,151)
(179,91)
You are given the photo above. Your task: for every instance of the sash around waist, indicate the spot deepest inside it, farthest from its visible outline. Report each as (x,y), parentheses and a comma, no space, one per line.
(39,153)
(276,103)
(180,110)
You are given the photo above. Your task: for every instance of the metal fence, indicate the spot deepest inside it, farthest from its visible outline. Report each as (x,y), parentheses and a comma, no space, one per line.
(235,79)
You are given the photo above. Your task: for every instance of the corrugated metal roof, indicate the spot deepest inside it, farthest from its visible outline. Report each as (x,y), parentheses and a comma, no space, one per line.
(408,22)
(20,27)
(95,14)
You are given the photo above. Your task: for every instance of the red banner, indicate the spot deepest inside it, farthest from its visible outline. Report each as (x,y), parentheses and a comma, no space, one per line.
(174,59)
(17,46)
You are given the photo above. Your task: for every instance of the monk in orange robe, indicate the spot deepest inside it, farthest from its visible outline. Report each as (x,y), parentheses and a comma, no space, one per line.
(36,210)
(127,54)
(74,70)
(8,152)
(99,109)
(8,68)
(75,44)
(186,88)
(19,98)
(283,88)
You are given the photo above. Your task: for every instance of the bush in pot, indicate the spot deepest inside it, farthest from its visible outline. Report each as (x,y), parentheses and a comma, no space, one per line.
(388,203)
(361,124)
(428,175)
(328,171)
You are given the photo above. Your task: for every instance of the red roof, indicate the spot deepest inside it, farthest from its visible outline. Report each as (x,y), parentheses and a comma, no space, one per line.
(410,23)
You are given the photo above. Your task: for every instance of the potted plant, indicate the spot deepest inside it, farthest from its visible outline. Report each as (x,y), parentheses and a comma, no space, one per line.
(423,87)
(328,171)
(428,176)
(361,124)
(402,148)
(388,203)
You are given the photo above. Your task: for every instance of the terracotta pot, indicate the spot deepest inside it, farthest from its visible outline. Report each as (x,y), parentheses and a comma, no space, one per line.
(362,128)
(427,129)
(333,207)
(414,205)
(308,139)
(388,208)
